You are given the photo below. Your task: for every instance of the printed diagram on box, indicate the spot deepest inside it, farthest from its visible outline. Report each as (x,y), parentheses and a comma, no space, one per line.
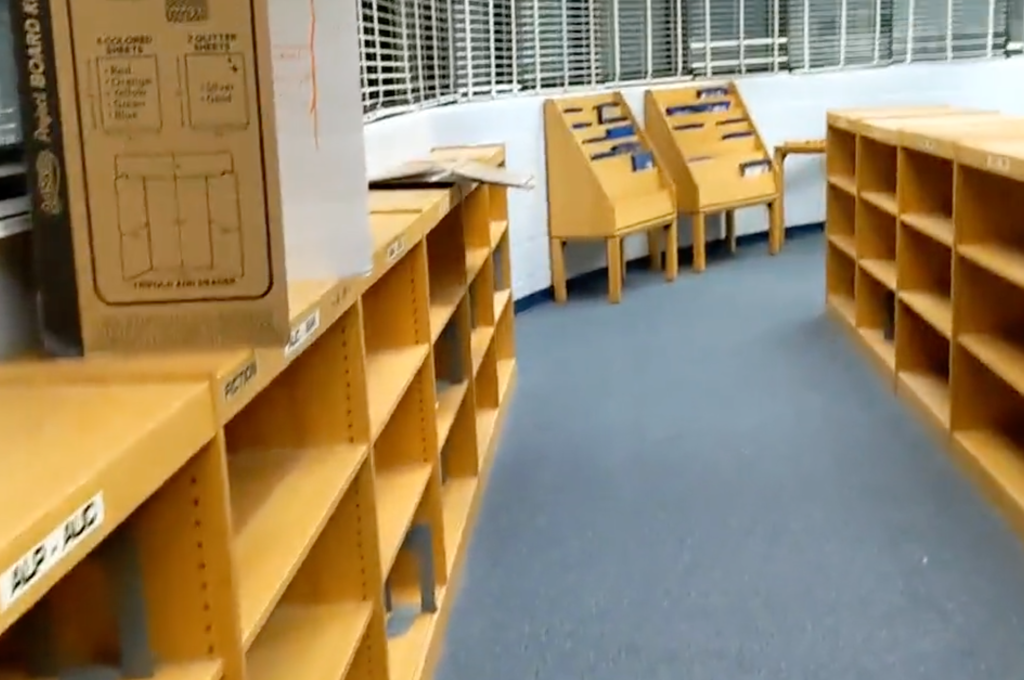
(216,95)
(211,88)
(129,88)
(179,220)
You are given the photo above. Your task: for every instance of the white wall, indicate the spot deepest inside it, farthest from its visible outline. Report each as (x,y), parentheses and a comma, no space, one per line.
(784,106)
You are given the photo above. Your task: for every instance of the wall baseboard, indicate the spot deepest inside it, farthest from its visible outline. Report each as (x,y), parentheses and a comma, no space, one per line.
(715,249)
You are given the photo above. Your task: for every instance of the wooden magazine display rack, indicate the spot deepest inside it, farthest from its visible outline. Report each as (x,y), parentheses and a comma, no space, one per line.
(296,512)
(605,182)
(716,157)
(925,265)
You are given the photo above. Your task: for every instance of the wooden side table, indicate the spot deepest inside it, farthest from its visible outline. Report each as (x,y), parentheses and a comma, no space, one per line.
(803,147)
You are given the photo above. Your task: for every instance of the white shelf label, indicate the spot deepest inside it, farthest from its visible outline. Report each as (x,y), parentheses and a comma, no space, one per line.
(37,562)
(396,248)
(239,380)
(301,334)
(999,163)
(928,145)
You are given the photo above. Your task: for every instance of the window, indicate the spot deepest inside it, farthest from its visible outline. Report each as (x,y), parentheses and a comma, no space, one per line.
(841,33)
(559,43)
(484,46)
(422,52)
(943,30)
(735,36)
(647,40)
(838,33)
(405,53)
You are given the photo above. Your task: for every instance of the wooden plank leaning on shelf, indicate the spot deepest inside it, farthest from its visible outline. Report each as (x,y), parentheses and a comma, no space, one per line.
(803,147)
(605,182)
(321,530)
(716,157)
(959,351)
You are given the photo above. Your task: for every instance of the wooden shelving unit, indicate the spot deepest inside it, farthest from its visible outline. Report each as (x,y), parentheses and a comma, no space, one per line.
(293,512)
(958,351)
(716,157)
(987,380)
(605,182)
(866,184)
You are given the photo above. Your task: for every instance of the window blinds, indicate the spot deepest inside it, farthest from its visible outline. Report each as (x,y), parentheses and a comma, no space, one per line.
(425,52)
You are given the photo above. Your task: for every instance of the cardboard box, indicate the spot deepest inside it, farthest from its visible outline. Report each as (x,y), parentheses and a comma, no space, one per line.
(153,152)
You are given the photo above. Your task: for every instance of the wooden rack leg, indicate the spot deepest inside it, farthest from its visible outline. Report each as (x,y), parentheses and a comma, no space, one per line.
(613,246)
(776,226)
(558,270)
(654,249)
(700,260)
(730,230)
(776,218)
(672,250)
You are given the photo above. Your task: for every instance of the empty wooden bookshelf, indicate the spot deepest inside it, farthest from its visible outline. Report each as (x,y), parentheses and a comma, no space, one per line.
(605,182)
(948,181)
(862,219)
(716,158)
(284,512)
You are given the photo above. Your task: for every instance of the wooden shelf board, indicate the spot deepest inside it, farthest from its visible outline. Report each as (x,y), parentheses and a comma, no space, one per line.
(935,308)
(65,446)
(309,642)
(843,182)
(931,392)
(448,402)
(457,501)
(486,423)
(280,502)
(475,260)
(844,306)
(408,655)
(412,656)
(937,227)
(879,346)
(399,491)
(845,243)
(443,304)
(883,200)
(506,367)
(480,341)
(1000,260)
(883,271)
(207,669)
(330,299)
(998,464)
(498,229)
(1004,359)
(501,300)
(388,375)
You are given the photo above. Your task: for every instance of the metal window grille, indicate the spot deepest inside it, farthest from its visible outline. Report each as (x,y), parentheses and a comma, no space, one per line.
(417,53)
